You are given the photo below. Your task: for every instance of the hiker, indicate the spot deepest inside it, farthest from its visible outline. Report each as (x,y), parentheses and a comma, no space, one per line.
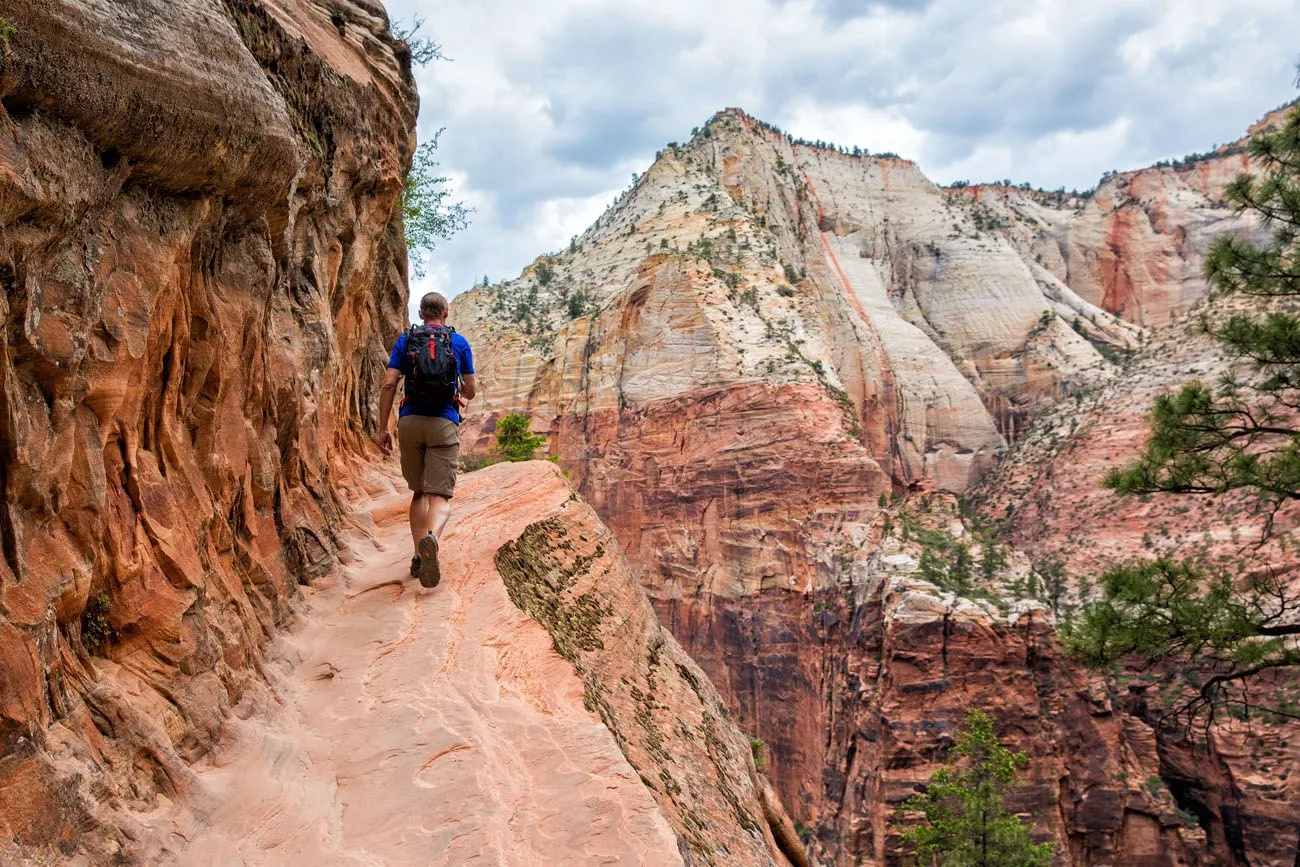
(438,367)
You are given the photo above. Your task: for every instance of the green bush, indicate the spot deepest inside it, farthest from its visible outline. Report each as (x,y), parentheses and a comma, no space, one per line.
(580,304)
(759,749)
(7,31)
(423,50)
(515,438)
(471,461)
(96,631)
(544,272)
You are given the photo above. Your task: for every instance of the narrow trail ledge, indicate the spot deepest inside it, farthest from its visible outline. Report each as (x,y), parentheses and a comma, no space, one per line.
(442,726)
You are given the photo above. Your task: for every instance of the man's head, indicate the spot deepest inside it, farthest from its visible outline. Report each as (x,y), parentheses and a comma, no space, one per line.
(433,307)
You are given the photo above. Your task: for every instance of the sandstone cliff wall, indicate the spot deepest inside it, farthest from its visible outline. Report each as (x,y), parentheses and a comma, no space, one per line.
(1242,775)
(759,346)
(1135,245)
(200,256)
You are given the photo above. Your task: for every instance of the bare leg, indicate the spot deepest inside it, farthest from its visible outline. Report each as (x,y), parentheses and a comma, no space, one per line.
(419,517)
(439,512)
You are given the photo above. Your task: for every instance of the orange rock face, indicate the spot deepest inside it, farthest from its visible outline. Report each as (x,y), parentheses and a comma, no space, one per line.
(1136,245)
(200,255)
(528,711)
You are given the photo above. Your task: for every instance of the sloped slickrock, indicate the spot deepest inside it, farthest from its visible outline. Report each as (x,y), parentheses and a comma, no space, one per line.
(567,572)
(200,257)
(528,711)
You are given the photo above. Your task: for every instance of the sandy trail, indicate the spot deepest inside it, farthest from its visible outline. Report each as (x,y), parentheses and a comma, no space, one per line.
(423,727)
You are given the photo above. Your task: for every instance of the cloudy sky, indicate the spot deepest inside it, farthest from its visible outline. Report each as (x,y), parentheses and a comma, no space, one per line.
(551,105)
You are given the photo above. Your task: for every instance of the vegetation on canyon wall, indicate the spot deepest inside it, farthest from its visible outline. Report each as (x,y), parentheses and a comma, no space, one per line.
(966,824)
(423,50)
(1231,630)
(428,213)
(515,438)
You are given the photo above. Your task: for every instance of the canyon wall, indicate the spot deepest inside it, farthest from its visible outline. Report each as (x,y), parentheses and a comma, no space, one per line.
(1135,245)
(754,356)
(1047,494)
(201,255)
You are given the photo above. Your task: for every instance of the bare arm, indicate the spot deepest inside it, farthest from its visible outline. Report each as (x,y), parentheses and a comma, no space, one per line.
(387,392)
(468,386)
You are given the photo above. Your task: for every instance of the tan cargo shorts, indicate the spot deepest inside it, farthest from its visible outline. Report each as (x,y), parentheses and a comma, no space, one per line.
(430,449)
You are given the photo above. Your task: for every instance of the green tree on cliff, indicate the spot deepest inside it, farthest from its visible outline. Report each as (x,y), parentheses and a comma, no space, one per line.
(1243,435)
(423,50)
(965,823)
(515,438)
(428,212)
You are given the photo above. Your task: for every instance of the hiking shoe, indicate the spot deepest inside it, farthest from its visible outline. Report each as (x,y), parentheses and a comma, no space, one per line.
(415,566)
(430,574)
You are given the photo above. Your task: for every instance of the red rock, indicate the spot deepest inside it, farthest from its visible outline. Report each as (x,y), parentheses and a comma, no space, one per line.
(530,710)
(202,261)
(739,295)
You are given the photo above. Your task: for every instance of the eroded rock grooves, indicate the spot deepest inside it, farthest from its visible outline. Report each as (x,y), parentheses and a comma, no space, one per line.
(761,347)
(201,257)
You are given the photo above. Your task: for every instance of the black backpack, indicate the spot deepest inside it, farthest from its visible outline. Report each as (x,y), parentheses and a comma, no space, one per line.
(429,365)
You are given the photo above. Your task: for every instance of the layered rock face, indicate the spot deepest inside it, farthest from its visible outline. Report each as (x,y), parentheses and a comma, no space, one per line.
(1144,260)
(200,255)
(759,341)
(754,346)
(566,571)
(1047,492)
(1136,245)
(742,259)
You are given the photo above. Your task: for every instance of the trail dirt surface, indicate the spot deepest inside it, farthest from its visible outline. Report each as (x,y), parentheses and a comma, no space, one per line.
(422,726)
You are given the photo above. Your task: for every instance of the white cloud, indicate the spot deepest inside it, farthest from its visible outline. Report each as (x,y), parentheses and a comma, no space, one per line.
(549,107)
(1066,158)
(563,218)
(861,125)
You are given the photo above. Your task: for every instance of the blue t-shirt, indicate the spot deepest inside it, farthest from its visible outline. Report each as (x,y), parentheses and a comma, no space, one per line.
(464,367)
